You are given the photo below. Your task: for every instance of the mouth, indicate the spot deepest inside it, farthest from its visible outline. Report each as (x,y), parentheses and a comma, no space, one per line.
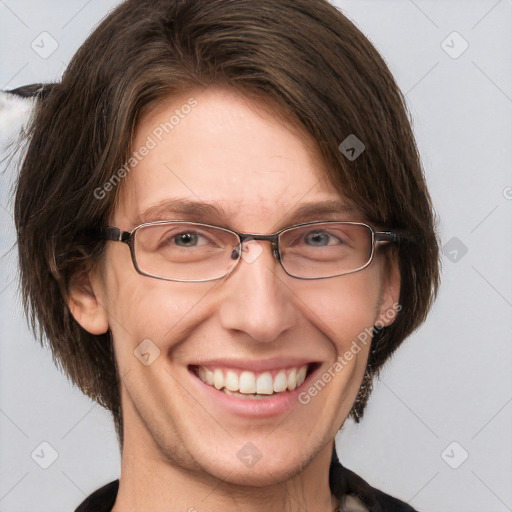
(254,385)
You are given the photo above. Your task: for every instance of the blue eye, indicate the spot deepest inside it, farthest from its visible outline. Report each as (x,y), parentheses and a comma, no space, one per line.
(320,239)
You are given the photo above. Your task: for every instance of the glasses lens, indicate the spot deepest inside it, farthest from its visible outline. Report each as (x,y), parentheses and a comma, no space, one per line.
(326,249)
(184,251)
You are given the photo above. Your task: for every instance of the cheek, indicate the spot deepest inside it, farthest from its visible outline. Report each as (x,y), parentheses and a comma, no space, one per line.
(343,307)
(143,308)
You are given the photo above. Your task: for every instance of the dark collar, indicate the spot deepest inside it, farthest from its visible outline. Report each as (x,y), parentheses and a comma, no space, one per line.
(101,500)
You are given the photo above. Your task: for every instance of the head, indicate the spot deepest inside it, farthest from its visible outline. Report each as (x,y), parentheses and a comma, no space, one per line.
(241,108)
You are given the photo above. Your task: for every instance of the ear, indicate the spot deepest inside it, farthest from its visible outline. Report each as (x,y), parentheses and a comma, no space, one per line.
(390,291)
(84,305)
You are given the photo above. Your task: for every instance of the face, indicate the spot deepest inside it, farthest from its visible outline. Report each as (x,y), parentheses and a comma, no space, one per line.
(255,325)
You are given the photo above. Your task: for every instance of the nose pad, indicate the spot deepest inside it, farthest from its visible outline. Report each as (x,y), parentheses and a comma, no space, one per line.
(251,250)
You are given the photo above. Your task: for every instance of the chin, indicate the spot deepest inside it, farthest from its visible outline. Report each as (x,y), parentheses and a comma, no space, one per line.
(261,474)
(258,463)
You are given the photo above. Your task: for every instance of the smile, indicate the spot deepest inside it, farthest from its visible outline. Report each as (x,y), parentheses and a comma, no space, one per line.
(248,384)
(251,389)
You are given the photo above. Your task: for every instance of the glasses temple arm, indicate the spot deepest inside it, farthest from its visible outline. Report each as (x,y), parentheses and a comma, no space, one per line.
(112,233)
(388,236)
(396,236)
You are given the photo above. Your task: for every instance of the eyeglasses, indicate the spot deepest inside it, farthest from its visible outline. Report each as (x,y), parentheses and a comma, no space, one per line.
(194,252)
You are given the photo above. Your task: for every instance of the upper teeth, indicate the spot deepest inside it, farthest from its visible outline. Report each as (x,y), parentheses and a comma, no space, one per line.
(249,382)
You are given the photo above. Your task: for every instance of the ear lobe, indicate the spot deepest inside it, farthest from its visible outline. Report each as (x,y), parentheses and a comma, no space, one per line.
(390,292)
(84,305)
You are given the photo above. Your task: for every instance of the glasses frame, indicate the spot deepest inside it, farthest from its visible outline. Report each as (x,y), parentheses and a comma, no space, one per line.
(115,234)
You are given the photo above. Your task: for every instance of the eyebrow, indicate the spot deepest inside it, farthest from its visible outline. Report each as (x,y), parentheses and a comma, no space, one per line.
(324,210)
(186,209)
(180,207)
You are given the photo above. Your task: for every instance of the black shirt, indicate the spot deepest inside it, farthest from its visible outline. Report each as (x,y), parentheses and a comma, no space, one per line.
(342,482)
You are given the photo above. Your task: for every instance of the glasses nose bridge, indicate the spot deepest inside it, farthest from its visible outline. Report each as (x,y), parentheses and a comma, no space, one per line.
(273,239)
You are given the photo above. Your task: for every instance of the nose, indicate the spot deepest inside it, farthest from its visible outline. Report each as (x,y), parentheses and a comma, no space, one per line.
(257,300)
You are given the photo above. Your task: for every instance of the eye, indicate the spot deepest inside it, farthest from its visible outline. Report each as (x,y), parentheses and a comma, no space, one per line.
(320,239)
(186,239)
(174,239)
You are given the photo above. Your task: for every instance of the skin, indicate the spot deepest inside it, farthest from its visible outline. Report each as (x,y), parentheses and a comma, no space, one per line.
(180,446)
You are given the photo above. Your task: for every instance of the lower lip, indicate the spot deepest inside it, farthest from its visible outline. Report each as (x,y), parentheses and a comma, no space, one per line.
(254,407)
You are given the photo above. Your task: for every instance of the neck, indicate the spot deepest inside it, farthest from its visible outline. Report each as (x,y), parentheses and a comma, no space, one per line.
(151,480)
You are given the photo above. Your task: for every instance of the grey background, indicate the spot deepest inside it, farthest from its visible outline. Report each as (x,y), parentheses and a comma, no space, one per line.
(450,382)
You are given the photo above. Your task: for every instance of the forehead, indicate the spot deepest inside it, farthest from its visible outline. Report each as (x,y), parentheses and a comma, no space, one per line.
(215,148)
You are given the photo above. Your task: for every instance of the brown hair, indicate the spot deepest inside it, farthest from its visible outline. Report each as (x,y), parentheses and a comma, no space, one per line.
(304,55)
